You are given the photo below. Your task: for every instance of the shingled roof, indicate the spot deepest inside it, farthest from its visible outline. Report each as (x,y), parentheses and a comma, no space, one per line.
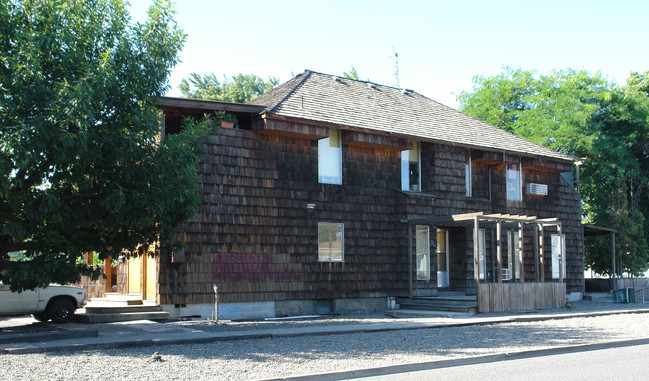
(365,105)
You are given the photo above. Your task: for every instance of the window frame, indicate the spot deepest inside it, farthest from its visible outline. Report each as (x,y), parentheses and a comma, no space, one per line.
(325,148)
(426,273)
(342,243)
(555,255)
(519,194)
(405,170)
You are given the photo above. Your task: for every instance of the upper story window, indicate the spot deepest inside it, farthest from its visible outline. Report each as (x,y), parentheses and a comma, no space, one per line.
(410,169)
(513,182)
(330,160)
(467,173)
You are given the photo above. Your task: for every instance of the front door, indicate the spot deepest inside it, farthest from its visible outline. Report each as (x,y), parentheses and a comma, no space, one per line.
(442,258)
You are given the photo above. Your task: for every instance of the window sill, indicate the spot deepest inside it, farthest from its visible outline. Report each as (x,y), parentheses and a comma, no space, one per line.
(416,194)
(480,199)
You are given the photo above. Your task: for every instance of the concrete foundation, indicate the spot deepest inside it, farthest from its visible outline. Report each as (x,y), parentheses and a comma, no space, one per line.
(260,310)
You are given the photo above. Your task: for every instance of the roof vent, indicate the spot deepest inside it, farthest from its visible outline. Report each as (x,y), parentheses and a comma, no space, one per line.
(371,85)
(337,79)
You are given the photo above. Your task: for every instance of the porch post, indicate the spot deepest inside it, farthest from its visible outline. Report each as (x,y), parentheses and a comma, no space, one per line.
(409,260)
(613,253)
(476,253)
(536,253)
(493,257)
(540,243)
(499,251)
(560,252)
(520,251)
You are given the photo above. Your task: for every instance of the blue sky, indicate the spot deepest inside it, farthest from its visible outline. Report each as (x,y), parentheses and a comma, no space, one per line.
(441,44)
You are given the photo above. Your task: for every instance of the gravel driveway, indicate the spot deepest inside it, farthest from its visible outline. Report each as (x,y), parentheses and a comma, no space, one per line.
(283,357)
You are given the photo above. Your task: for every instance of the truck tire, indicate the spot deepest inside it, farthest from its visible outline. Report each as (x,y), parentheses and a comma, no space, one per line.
(60,310)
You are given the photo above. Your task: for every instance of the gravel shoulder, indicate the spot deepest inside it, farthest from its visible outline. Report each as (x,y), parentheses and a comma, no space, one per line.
(284,357)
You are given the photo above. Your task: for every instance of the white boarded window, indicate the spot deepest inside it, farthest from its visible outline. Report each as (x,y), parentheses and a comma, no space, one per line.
(331,244)
(422,242)
(330,159)
(410,169)
(555,255)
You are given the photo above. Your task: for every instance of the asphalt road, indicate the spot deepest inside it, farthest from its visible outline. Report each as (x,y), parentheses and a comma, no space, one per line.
(617,363)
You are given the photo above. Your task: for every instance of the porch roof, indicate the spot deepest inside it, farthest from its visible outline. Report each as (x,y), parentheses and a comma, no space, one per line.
(590,230)
(468,219)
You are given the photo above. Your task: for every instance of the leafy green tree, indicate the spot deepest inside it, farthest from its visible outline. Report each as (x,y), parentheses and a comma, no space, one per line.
(352,74)
(82,166)
(240,88)
(584,115)
(553,110)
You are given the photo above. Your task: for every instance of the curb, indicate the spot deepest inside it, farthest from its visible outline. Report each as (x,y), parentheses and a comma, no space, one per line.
(381,371)
(32,337)
(214,337)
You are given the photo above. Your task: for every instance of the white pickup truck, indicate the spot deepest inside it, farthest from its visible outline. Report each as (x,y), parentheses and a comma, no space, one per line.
(54,302)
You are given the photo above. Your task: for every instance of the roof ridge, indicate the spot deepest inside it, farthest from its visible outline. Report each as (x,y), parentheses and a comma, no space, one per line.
(360,80)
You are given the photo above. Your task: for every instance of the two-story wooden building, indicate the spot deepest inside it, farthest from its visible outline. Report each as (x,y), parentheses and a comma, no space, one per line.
(336,194)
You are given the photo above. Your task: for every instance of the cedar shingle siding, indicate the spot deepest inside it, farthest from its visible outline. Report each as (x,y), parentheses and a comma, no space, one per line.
(256,239)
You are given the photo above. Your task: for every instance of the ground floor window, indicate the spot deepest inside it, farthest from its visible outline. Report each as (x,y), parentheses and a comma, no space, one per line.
(513,269)
(330,242)
(555,255)
(423,253)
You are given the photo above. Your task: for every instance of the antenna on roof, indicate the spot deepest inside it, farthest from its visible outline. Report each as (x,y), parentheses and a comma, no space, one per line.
(396,68)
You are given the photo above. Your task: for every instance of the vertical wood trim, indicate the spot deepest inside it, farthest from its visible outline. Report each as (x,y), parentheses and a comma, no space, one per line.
(613,255)
(476,253)
(541,254)
(499,251)
(520,251)
(410,260)
(536,253)
(494,269)
(560,252)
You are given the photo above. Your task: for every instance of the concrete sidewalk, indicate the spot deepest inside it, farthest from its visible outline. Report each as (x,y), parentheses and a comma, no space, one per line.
(74,337)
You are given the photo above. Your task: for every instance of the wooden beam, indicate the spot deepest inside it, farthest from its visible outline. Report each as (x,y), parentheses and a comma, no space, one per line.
(410,261)
(536,253)
(541,255)
(499,251)
(613,255)
(476,252)
(560,251)
(520,251)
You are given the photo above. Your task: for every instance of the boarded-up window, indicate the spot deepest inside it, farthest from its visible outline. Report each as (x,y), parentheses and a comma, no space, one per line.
(330,159)
(330,242)
(410,169)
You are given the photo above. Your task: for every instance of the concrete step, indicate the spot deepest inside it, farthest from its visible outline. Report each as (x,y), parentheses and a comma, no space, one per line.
(84,317)
(105,309)
(435,304)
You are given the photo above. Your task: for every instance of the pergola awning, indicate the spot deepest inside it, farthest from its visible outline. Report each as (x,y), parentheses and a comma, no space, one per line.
(468,219)
(476,220)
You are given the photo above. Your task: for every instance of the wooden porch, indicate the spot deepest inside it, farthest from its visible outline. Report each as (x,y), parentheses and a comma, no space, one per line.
(491,293)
